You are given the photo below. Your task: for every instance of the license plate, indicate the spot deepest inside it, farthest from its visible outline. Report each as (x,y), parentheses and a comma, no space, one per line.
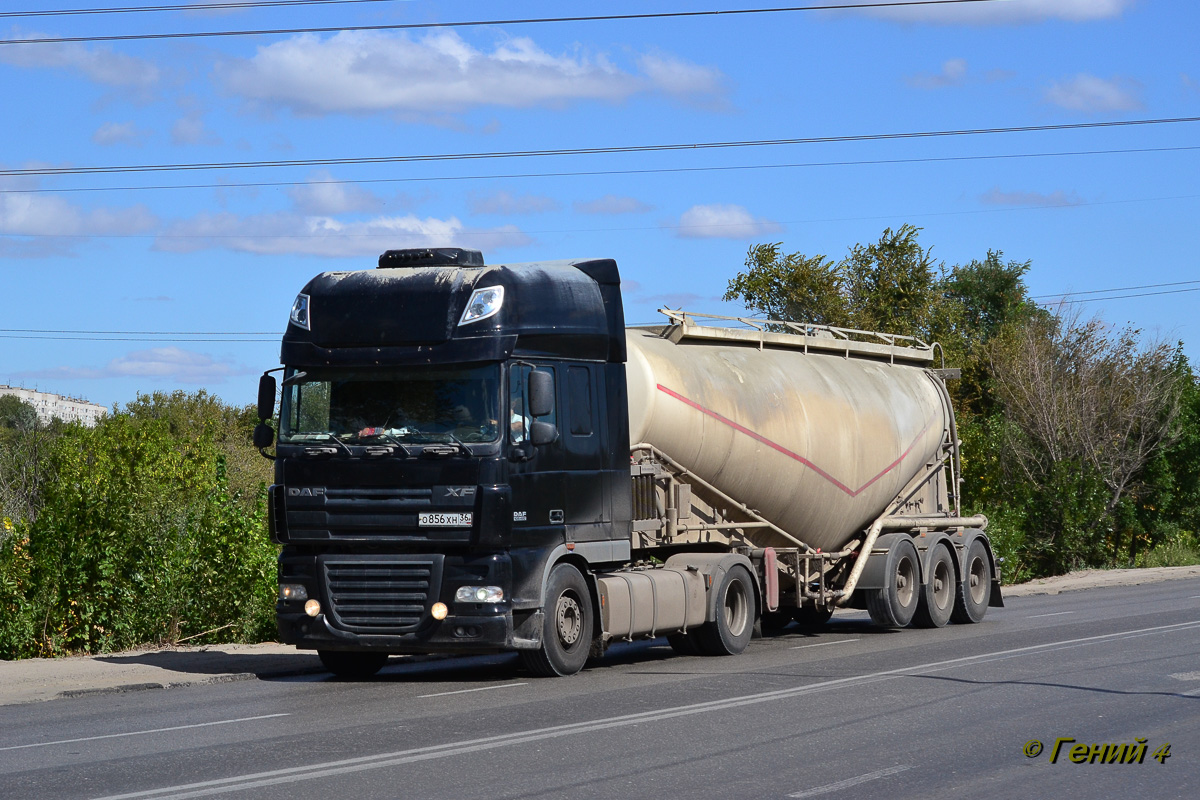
(436,520)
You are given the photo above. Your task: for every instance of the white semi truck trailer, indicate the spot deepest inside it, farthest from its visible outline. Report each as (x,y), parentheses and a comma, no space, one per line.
(474,458)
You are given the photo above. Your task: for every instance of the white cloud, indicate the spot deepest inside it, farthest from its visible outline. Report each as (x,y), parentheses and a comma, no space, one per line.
(1090,94)
(722,222)
(1005,11)
(190,129)
(613,204)
(365,72)
(1057,198)
(296,234)
(111,133)
(322,196)
(507,203)
(953,73)
(679,78)
(98,64)
(31,214)
(171,363)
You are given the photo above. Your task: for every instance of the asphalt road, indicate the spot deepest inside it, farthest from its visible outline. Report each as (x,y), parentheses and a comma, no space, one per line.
(851,712)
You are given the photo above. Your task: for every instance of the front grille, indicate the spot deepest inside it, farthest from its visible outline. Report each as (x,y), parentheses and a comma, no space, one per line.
(381,595)
(360,512)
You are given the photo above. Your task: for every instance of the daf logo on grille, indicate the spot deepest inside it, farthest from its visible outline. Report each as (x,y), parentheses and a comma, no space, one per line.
(460,491)
(315,491)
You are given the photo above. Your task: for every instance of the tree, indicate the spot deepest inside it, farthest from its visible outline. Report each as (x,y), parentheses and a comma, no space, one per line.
(16,414)
(891,284)
(792,287)
(1087,409)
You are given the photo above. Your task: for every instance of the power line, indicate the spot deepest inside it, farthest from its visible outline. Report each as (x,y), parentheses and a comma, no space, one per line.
(160,336)
(64,12)
(1117,289)
(1121,297)
(127,339)
(576,151)
(145,333)
(480,23)
(593,173)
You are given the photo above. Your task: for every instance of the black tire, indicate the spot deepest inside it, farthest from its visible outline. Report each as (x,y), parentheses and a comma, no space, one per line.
(730,632)
(938,592)
(894,605)
(684,643)
(567,628)
(975,591)
(350,665)
(811,619)
(776,621)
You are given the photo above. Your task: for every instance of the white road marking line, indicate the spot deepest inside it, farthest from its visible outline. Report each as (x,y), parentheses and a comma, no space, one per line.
(846,784)
(326,769)
(1192,693)
(140,733)
(1055,614)
(480,689)
(1185,676)
(821,644)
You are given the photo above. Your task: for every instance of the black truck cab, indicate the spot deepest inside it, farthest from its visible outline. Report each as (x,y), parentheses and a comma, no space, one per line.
(448,431)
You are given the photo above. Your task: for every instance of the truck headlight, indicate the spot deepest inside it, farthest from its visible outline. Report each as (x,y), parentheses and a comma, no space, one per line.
(479,594)
(292,591)
(484,303)
(299,314)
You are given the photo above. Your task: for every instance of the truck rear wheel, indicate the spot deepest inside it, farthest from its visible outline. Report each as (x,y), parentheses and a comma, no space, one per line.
(938,591)
(811,618)
(975,591)
(567,629)
(352,666)
(894,605)
(730,632)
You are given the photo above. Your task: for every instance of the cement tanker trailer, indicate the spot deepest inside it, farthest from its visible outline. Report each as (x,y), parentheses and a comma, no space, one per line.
(475,458)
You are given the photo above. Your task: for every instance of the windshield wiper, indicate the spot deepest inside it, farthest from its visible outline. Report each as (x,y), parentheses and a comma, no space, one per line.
(393,440)
(455,445)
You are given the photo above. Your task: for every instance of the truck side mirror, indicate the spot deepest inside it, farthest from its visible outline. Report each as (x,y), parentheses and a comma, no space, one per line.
(541,393)
(541,433)
(266,398)
(264,436)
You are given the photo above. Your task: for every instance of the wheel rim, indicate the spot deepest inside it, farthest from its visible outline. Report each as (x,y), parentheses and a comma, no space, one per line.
(978,580)
(906,583)
(569,615)
(942,582)
(736,608)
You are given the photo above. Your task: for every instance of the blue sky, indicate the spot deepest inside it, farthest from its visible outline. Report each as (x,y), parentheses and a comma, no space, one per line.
(229,259)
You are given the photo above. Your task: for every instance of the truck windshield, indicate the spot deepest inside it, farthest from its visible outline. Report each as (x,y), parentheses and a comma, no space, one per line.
(410,405)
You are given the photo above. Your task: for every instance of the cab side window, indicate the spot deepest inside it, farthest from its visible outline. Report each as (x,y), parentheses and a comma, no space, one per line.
(579,400)
(519,419)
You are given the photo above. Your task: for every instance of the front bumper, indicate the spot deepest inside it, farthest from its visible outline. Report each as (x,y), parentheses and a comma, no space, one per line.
(454,634)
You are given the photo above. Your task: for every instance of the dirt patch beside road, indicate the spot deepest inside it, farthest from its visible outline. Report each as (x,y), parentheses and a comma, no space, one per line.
(1094,578)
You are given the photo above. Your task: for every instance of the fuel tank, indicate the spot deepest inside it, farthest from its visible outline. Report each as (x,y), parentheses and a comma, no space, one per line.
(818,436)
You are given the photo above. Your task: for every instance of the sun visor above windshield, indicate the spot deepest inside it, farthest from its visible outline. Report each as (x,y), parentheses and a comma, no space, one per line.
(383,307)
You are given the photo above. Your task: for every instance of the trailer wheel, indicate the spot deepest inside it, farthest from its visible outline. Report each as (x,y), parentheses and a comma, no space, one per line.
(812,618)
(776,621)
(350,665)
(567,630)
(975,591)
(730,632)
(938,592)
(894,605)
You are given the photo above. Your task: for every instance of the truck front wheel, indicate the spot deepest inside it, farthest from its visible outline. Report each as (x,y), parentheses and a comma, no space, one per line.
(730,632)
(567,630)
(352,666)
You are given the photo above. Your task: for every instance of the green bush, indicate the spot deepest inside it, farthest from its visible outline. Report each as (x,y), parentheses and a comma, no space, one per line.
(140,538)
